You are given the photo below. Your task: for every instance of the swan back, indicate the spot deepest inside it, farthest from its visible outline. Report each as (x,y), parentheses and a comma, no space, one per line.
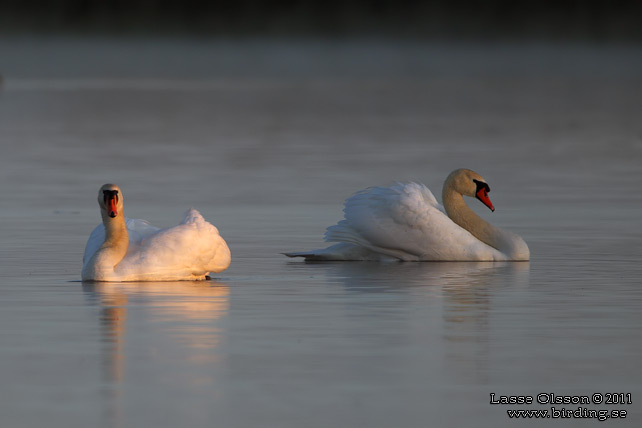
(188,251)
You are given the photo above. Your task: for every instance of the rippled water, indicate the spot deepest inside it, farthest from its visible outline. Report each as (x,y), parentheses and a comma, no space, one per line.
(267,140)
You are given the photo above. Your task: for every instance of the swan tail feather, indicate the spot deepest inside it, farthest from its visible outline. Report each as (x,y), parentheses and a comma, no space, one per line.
(306,254)
(334,252)
(341,252)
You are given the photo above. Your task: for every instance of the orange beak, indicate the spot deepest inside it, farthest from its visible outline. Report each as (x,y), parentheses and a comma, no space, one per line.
(112,211)
(482,195)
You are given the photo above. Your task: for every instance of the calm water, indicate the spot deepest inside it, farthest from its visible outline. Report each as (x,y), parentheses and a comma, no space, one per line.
(267,140)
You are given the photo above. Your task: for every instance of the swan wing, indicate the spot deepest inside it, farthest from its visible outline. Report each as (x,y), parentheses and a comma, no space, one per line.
(194,247)
(406,221)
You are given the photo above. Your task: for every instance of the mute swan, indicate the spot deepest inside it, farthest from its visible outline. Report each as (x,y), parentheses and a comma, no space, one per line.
(133,250)
(405,222)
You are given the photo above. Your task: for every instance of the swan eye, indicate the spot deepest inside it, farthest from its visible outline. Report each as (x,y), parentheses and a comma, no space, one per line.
(108,194)
(482,185)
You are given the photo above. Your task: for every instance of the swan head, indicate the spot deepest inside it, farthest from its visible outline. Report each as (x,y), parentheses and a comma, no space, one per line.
(469,183)
(110,200)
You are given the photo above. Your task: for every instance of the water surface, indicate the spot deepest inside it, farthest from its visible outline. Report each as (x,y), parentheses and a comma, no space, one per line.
(267,139)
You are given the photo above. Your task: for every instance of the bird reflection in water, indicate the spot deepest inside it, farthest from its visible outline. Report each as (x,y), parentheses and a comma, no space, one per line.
(469,315)
(153,324)
(446,306)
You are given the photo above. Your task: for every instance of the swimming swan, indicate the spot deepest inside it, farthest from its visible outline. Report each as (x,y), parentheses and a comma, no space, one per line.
(123,249)
(405,222)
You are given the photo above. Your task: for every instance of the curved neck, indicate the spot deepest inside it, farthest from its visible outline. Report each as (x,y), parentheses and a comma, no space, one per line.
(116,240)
(462,215)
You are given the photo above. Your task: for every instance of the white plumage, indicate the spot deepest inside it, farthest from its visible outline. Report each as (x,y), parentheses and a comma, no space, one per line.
(188,251)
(405,222)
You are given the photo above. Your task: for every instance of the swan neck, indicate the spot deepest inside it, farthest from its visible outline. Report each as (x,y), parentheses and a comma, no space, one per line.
(462,215)
(506,242)
(116,238)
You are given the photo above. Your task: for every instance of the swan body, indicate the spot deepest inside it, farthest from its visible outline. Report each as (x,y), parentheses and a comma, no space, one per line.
(122,249)
(405,222)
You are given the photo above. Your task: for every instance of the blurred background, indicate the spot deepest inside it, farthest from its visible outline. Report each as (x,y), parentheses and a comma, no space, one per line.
(250,99)
(593,20)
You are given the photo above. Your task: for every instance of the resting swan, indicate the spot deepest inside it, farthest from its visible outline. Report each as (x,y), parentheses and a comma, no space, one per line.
(405,222)
(133,250)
